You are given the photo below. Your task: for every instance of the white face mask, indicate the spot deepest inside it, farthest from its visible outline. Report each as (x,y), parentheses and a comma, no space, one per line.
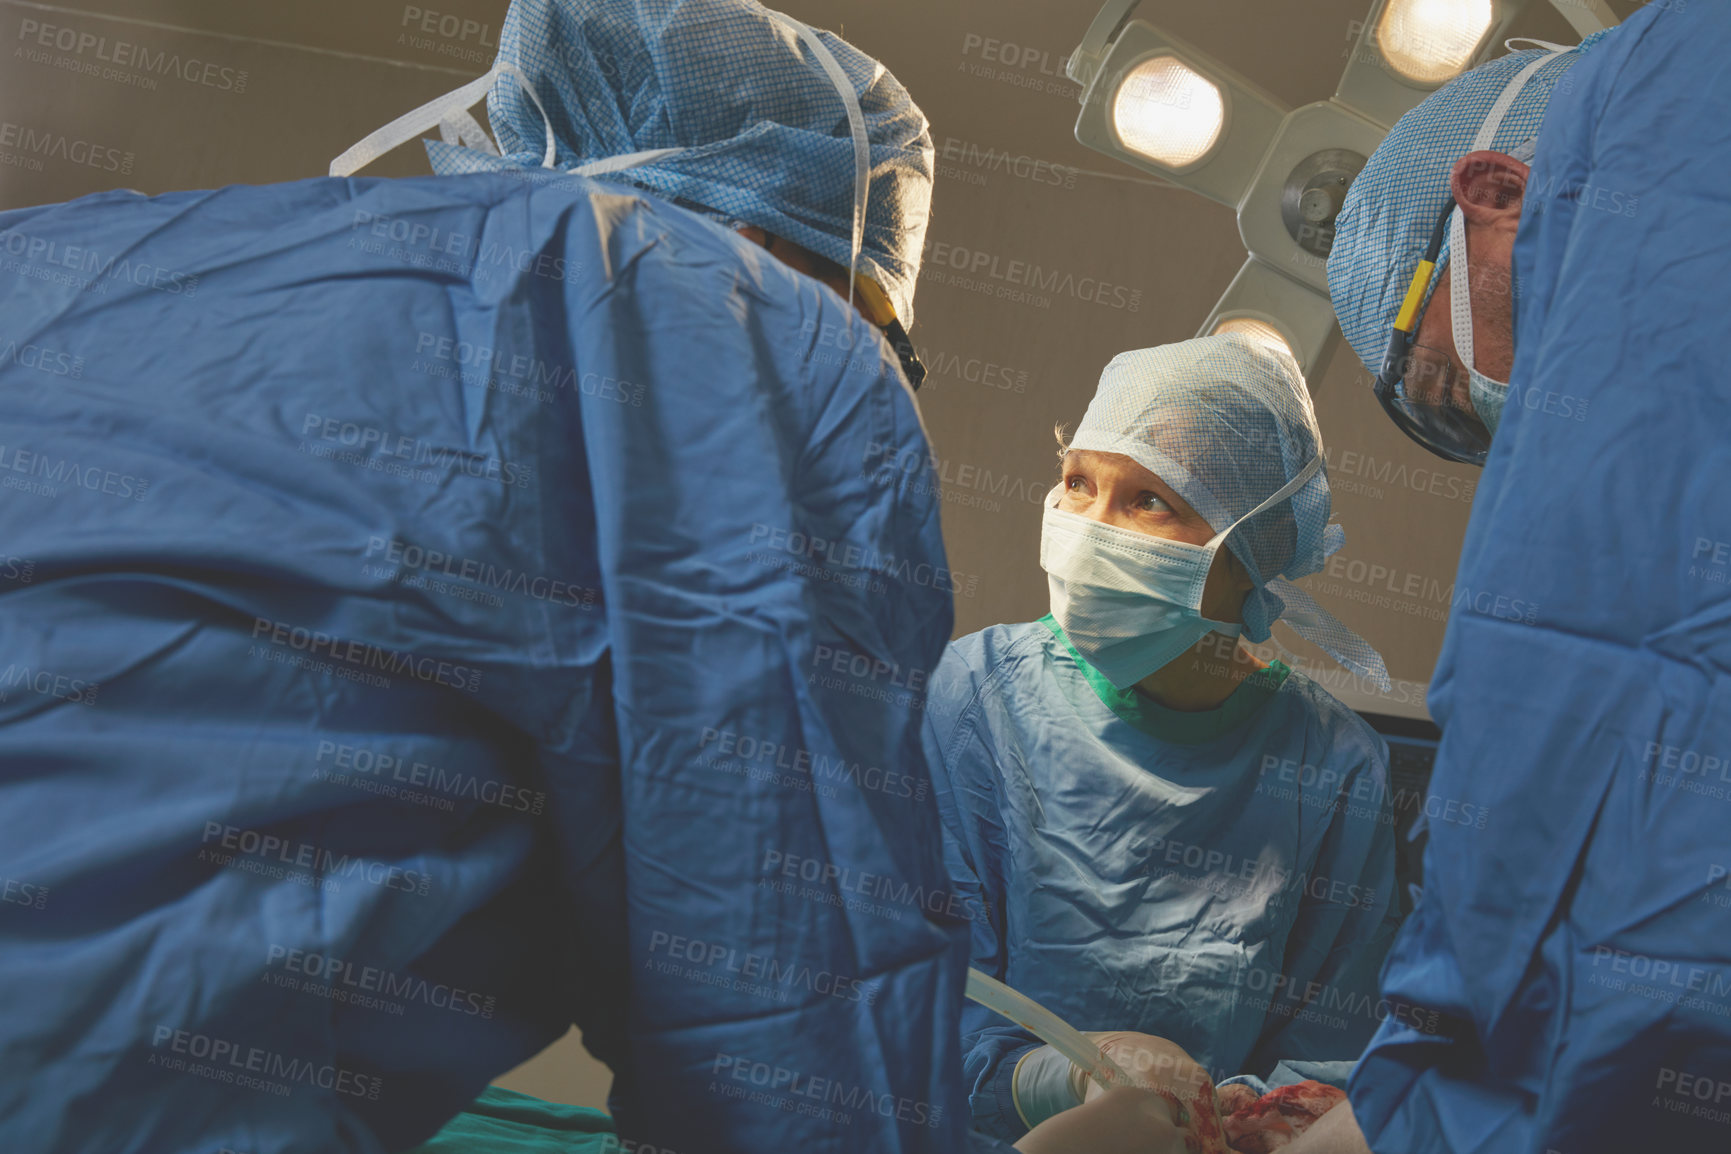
(1488,398)
(1129,602)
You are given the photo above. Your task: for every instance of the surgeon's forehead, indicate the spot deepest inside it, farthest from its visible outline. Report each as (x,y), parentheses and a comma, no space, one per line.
(1093,460)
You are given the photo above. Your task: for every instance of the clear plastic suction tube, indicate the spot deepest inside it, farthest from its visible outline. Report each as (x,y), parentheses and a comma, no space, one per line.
(1046,1026)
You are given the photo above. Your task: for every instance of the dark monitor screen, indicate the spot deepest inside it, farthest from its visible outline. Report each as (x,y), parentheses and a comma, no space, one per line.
(1411,753)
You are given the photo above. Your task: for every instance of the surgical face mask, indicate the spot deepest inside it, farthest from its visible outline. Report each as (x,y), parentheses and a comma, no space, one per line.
(1488,395)
(1488,398)
(1129,602)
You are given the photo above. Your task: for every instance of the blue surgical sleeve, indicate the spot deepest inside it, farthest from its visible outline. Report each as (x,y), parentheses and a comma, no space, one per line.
(974,851)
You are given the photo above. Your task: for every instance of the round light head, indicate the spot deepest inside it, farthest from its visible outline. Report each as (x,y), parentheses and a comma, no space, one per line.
(1259,331)
(1167,111)
(1432,41)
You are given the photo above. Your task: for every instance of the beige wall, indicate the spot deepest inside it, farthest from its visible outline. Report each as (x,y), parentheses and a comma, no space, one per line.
(271,91)
(563,1072)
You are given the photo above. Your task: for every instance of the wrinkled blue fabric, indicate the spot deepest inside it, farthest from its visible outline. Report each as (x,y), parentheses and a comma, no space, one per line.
(1576,953)
(1079,844)
(516,563)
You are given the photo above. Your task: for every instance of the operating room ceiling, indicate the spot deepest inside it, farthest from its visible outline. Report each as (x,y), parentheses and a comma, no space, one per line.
(1044,259)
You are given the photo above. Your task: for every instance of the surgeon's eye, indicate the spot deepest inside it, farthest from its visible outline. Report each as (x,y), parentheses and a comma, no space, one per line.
(1077,487)
(1152,503)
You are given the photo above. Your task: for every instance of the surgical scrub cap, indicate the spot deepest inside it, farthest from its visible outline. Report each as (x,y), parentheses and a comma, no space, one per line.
(768,133)
(1225,421)
(1394,203)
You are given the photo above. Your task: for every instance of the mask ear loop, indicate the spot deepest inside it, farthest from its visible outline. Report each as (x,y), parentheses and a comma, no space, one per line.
(1308,619)
(506,68)
(1299,480)
(453,108)
(1549,45)
(1347,648)
(861,142)
(1460,291)
(462,129)
(623,161)
(411,124)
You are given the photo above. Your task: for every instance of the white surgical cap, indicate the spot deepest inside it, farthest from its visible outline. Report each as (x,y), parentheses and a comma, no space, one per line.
(770,139)
(1227,421)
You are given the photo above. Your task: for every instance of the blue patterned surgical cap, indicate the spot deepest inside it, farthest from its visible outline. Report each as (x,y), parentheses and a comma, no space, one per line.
(769,132)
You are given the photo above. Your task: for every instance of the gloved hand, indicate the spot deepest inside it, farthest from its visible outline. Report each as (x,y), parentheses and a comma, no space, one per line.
(1124,1120)
(1046,1083)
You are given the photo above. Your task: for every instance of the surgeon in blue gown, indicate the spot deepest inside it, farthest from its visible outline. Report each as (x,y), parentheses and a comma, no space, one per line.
(1575,953)
(1166,837)
(424,603)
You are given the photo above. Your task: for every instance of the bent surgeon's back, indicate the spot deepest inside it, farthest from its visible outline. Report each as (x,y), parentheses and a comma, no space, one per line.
(385,565)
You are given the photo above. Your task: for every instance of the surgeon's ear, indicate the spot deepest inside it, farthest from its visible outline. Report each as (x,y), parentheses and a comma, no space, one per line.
(754,234)
(1489,187)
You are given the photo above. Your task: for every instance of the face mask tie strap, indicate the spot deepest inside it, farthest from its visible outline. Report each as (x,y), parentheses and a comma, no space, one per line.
(1298,482)
(861,142)
(461,129)
(450,109)
(412,124)
(450,115)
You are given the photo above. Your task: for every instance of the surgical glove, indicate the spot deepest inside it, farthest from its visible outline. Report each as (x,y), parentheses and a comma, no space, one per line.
(1041,1087)
(1045,1083)
(1123,1120)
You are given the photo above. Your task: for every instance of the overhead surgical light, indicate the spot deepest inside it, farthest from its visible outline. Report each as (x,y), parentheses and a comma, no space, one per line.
(1161,105)
(1168,112)
(1433,41)
(1167,108)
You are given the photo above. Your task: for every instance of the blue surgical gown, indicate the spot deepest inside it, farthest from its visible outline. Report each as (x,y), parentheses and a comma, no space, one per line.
(1224,879)
(1572,960)
(434,612)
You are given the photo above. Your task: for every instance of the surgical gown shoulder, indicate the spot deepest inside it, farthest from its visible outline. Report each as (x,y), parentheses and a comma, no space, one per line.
(1345,729)
(1001,659)
(483,228)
